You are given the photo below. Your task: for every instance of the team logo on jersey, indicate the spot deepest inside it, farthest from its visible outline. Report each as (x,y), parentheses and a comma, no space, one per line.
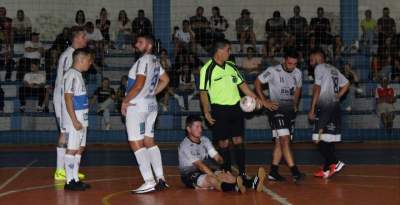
(266,74)
(234,79)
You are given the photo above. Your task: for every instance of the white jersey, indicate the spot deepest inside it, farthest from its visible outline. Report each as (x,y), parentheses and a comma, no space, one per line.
(64,63)
(190,152)
(74,84)
(281,84)
(330,79)
(149,66)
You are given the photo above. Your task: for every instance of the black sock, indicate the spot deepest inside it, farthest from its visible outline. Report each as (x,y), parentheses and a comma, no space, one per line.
(240,158)
(227,186)
(226,155)
(324,150)
(274,168)
(294,170)
(332,154)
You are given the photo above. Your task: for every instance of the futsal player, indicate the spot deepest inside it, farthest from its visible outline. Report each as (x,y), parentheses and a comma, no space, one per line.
(78,39)
(75,108)
(145,80)
(329,86)
(198,163)
(284,83)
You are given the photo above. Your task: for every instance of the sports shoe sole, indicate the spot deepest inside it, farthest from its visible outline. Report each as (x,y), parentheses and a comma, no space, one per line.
(239,182)
(143,191)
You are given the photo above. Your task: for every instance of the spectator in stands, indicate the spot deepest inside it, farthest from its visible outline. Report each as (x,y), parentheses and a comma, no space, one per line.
(80,19)
(244,29)
(298,26)
(312,45)
(386,66)
(368,27)
(34,85)
(6,32)
(386,27)
(273,47)
(376,67)
(119,97)
(385,99)
(388,48)
(321,28)
(95,42)
(124,32)
(1,100)
(276,27)
(22,27)
(200,26)
(337,52)
(267,56)
(62,40)
(33,47)
(184,39)
(103,24)
(104,96)
(141,24)
(218,24)
(396,70)
(51,63)
(7,64)
(251,65)
(290,43)
(350,74)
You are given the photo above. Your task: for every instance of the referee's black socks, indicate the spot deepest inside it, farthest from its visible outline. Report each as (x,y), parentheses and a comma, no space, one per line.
(226,155)
(240,157)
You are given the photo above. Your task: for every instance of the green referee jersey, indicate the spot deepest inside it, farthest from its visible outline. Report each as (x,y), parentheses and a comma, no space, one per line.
(221,82)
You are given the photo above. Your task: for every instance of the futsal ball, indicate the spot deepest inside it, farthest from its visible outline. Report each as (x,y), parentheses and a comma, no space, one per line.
(248,104)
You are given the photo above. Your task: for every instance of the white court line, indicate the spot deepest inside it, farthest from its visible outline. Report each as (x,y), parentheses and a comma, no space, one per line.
(16,175)
(276,197)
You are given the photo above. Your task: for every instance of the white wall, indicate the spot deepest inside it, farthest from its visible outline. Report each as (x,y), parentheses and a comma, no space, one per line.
(50,16)
(376,8)
(261,10)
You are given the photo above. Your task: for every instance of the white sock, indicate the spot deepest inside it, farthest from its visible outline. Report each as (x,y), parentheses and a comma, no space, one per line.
(77,162)
(156,161)
(143,160)
(60,158)
(69,167)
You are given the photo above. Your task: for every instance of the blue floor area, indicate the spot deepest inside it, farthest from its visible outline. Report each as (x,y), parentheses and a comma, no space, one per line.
(170,157)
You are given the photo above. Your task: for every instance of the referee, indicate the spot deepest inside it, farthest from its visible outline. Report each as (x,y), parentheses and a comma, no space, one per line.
(220,82)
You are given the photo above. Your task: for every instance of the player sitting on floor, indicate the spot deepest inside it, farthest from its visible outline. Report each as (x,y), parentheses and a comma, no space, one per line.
(197,168)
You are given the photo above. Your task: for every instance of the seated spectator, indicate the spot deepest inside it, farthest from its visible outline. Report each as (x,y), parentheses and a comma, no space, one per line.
(218,24)
(80,19)
(22,27)
(63,40)
(321,28)
(33,48)
(298,26)
(388,48)
(104,96)
(290,43)
(251,65)
(336,52)
(267,57)
(95,42)
(386,27)
(1,100)
(385,99)
(7,64)
(396,70)
(184,39)
(368,28)
(354,80)
(119,97)
(124,32)
(276,27)
(244,29)
(141,25)
(376,67)
(103,24)
(34,85)
(273,48)
(51,64)
(6,32)
(200,26)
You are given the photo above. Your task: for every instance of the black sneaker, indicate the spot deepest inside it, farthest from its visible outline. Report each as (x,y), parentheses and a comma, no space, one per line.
(161,185)
(73,186)
(275,176)
(84,185)
(298,177)
(247,180)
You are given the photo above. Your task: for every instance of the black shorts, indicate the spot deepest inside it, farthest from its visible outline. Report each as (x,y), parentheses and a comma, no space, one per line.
(190,179)
(229,121)
(281,122)
(328,119)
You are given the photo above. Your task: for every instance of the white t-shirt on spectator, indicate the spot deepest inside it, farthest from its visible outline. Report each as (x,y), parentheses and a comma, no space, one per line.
(35,54)
(123,28)
(95,35)
(26,23)
(183,36)
(35,78)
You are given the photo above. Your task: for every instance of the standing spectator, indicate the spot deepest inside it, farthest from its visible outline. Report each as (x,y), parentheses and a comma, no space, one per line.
(251,65)
(244,29)
(33,48)
(321,27)
(22,27)
(95,42)
(218,24)
(386,27)
(34,85)
(6,32)
(63,40)
(51,63)
(80,19)
(7,64)
(298,26)
(103,24)
(385,99)
(184,39)
(141,24)
(124,32)
(368,27)
(105,96)
(276,26)
(199,25)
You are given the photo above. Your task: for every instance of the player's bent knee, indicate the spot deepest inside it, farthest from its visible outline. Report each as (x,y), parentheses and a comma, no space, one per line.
(136,145)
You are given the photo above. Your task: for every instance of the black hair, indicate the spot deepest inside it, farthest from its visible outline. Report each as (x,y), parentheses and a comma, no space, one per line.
(291,53)
(80,12)
(276,14)
(318,51)
(35,62)
(105,79)
(148,37)
(185,21)
(191,119)
(220,44)
(216,8)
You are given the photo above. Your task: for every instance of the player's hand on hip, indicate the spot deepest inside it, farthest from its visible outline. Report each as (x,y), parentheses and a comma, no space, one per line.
(270,105)
(209,118)
(77,125)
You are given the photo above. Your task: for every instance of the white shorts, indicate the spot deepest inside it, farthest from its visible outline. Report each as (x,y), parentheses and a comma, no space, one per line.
(75,138)
(327,137)
(139,123)
(280,133)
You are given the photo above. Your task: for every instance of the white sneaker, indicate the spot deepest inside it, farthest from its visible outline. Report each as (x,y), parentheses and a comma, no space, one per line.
(145,188)
(339,166)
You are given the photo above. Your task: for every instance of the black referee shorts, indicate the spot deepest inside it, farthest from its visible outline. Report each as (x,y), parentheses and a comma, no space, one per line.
(229,121)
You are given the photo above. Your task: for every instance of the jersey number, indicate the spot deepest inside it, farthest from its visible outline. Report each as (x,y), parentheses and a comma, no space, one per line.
(154,80)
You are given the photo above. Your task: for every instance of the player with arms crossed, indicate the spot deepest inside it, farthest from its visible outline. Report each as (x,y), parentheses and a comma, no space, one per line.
(75,108)
(329,86)
(145,80)
(78,39)
(198,163)
(284,82)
